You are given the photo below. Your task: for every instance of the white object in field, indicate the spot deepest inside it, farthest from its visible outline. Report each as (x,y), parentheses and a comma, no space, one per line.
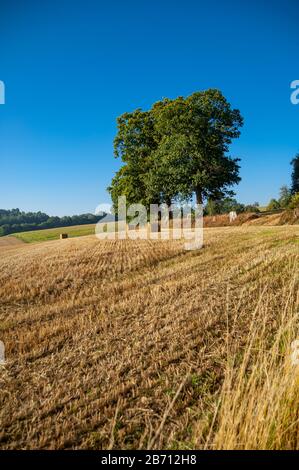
(2,353)
(232,216)
(295,353)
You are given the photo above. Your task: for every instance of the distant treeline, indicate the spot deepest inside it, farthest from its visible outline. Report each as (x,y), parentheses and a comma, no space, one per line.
(14,220)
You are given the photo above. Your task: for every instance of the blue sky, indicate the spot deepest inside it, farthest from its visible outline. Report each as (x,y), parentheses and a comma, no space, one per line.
(71,67)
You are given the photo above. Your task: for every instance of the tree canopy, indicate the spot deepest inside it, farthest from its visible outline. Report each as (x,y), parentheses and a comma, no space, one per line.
(176,150)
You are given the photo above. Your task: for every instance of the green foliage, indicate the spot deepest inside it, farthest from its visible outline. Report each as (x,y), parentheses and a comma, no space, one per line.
(285,196)
(228,204)
(295,175)
(252,207)
(176,149)
(273,205)
(134,144)
(294,203)
(223,206)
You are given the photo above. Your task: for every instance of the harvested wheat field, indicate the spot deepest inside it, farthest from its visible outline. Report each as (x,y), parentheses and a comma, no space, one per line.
(9,242)
(140,344)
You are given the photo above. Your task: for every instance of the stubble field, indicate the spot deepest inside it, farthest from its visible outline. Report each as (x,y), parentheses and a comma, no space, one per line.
(140,344)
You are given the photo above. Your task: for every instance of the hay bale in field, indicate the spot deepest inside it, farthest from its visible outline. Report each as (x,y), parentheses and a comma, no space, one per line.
(63,236)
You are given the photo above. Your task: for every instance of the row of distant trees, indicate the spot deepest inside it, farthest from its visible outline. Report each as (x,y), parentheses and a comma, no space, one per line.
(14,220)
(228,204)
(288,198)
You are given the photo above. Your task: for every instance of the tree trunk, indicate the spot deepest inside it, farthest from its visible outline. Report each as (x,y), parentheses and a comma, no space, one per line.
(198,193)
(168,202)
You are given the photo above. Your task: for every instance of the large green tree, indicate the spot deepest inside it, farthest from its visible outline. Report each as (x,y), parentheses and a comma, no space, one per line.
(177,149)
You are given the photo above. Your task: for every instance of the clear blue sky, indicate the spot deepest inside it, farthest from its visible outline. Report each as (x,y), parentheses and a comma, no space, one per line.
(71,67)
